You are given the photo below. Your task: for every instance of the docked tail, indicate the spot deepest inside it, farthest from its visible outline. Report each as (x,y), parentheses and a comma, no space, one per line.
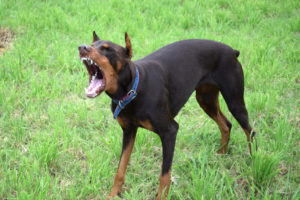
(236,52)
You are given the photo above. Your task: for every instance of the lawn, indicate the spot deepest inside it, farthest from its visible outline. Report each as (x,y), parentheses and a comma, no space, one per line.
(57,144)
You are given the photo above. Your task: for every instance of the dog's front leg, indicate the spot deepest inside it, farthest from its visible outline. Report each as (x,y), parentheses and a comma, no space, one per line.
(129,134)
(168,139)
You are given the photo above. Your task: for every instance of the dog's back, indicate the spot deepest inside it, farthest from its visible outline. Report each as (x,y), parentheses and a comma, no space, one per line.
(184,65)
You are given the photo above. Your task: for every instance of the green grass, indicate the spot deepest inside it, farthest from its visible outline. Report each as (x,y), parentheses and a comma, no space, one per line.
(57,144)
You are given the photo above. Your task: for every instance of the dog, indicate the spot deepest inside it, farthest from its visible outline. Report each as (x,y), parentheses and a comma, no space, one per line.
(150,92)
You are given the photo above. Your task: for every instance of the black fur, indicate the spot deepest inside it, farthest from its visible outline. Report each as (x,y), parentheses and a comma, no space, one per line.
(168,77)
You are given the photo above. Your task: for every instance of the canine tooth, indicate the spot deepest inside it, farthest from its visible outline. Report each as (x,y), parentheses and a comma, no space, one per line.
(93,77)
(89,61)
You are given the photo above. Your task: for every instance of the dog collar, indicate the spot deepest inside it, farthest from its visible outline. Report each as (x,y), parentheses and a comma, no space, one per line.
(128,98)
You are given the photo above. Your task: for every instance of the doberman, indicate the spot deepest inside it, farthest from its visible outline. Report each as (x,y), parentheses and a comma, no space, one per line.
(149,92)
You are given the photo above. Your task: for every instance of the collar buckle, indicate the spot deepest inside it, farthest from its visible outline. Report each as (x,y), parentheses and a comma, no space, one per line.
(132,92)
(121,104)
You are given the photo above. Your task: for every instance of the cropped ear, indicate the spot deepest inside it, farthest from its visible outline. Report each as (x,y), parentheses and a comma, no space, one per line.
(95,37)
(128,45)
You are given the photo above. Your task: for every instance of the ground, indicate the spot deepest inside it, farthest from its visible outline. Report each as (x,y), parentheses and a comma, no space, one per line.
(57,144)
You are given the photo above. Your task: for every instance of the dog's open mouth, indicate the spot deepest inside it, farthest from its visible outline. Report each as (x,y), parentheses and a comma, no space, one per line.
(96,79)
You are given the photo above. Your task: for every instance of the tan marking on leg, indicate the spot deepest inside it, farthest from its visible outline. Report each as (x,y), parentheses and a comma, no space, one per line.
(225,132)
(212,108)
(121,122)
(249,140)
(120,175)
(146,124)
(164,186)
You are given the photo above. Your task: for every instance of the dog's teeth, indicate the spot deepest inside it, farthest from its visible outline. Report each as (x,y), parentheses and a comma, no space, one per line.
(93,77)
(83,59)
(89,60)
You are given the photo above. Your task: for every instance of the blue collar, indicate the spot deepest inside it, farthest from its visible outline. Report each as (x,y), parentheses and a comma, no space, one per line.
(128,98)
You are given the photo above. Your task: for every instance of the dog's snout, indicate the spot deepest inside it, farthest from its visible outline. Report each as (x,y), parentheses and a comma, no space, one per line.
(84,48)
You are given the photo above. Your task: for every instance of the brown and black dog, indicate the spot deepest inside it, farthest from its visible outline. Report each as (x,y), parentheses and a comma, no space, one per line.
(149,92)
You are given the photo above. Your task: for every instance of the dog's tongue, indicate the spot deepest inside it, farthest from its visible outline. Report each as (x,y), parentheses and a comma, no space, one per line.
(95,87)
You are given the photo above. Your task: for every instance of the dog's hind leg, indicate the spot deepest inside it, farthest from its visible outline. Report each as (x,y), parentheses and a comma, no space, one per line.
(207,97)
(230,80)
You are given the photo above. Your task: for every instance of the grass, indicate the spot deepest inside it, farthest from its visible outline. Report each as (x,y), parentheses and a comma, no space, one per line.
(57,144)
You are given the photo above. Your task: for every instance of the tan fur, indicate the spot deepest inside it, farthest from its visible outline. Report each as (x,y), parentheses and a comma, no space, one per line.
(147,125)
(120,176)
(110,74)
(128,45)
(119,66)
(121,122)
(164,185)
(249,140)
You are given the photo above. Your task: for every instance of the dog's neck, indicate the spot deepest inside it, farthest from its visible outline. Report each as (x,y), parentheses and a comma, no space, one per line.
(125,81)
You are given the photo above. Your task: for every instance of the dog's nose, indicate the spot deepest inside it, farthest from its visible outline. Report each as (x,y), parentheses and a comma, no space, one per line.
(84,48)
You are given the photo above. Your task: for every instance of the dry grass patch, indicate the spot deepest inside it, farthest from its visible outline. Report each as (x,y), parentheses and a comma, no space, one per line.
(6,37)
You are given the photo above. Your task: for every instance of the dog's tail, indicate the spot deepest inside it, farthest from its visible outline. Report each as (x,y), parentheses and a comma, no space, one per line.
(236,52)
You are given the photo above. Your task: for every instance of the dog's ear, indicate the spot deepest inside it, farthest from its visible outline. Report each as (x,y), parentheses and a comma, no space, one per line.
(95,37)
(128,45)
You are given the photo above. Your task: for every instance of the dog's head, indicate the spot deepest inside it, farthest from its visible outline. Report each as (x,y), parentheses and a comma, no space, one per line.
(104,60)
